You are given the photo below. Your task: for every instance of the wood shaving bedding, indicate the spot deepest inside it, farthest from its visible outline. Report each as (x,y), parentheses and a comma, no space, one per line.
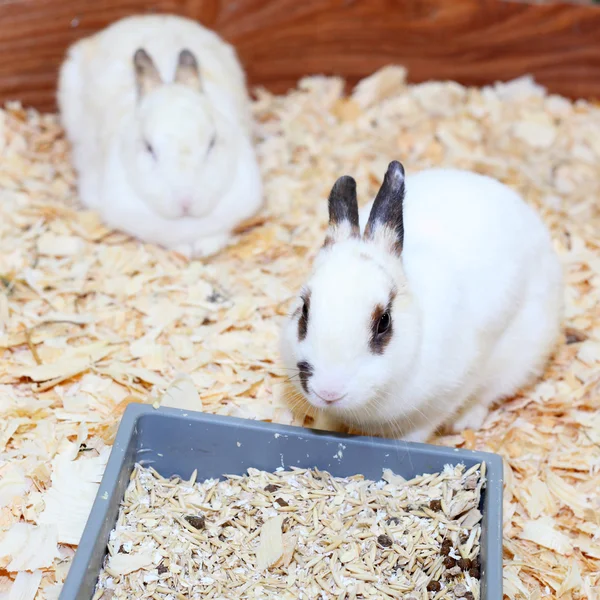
(300,534)
(91,320)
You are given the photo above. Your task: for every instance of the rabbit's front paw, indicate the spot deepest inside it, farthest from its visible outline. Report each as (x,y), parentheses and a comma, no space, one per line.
(185,250)
(208,246)
(471,418)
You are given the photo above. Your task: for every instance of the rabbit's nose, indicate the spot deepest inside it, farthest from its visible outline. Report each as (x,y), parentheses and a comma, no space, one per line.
(328,395)
(186,206)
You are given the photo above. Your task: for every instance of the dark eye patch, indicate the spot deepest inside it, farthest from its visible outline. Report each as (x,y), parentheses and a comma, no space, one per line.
(382,327)
(304,315)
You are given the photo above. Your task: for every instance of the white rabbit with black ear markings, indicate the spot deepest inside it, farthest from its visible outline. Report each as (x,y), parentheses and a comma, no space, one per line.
(158,115)
(449,300)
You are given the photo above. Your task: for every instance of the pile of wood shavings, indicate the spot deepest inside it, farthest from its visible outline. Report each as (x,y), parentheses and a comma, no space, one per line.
(91,320)
(300,534)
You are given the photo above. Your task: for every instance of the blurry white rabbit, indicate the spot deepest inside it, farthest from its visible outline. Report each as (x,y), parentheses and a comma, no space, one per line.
(158,115)
(451,299)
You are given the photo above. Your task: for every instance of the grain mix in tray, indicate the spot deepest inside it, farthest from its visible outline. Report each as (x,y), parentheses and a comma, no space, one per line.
(297,534)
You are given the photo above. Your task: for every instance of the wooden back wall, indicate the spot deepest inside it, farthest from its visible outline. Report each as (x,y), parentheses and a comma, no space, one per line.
(470,41)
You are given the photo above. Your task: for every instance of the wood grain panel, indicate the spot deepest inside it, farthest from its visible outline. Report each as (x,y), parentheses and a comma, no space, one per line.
(471,41)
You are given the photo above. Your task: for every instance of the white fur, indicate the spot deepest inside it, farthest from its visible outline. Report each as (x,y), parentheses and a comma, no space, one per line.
(476,316)
(107,126)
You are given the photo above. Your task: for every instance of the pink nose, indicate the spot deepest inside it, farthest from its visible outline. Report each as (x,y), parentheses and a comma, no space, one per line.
(329,396)
(186,206)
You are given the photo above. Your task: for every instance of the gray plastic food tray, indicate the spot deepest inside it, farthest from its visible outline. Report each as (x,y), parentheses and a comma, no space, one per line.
(175,442)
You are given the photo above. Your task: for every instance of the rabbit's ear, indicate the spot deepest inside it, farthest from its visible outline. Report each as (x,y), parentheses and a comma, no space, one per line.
(187,71)
(147,76)
(386,221)
(343,211)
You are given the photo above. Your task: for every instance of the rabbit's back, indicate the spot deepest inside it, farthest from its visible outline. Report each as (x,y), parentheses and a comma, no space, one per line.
(482,265)
(468,219)
(470,236)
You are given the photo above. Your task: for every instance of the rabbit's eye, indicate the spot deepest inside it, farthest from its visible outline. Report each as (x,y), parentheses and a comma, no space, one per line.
(381,326)
(150,149)
(212,143)
(384,322)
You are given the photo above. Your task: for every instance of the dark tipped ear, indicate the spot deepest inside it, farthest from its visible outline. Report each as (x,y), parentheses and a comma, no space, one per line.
(147,76)
(343,211)
(187,71)
(386,221)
